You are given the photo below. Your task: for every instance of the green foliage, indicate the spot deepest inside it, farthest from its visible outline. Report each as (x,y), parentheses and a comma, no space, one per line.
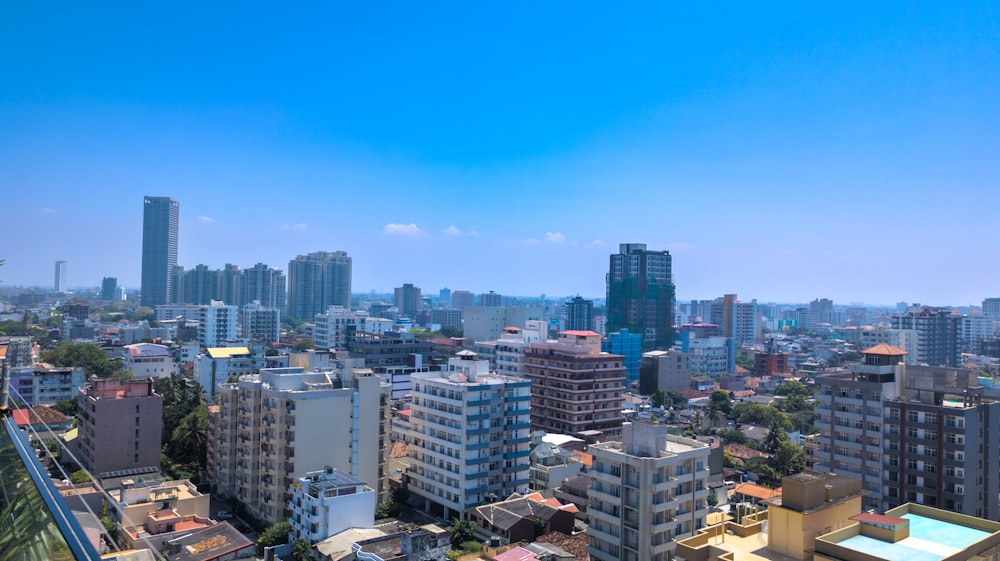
(676,399)
(461,531)
(732,435)
(189,440)
(384,509)
(66,407)
(88,356)
(451,331)
(110,526)
(472,547)
(713,499)
(744,361)
(274,535)
(185,426)
(788,459)
(454,554)
(792,388)
(763,415)
(648,381)
(305,344)
(658,399)
(79,476)
(301,549)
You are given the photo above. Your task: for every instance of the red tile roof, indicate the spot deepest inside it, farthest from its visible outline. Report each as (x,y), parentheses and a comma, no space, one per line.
(880,519)
(40,414)
(580,333)
(756,491)
(884,349)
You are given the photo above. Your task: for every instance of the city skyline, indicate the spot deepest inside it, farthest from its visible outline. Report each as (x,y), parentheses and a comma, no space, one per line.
(783,153)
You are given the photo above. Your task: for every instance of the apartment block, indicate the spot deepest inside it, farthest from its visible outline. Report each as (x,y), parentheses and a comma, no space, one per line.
(329,501)
(147,360)
(470,437)
(649,490)
(336,327)
(120,425)
(575,388)
(283,422)
(260,323)
(938,334)
(670,370)
(217,322)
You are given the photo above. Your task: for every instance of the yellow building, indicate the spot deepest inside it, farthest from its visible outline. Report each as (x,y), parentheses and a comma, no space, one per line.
(811,505)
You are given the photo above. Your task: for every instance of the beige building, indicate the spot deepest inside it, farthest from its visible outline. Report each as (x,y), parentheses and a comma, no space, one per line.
(282,422)
(649,489)
(120,425)
(810,505)
(575,388)
(151,513)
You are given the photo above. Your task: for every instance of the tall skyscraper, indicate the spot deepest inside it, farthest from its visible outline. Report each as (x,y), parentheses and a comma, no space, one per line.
(579,314)
(109,288)
(938,332)
(641,294)
(60,283)
(160,216)
(408,300)
(317,281)
(263,284)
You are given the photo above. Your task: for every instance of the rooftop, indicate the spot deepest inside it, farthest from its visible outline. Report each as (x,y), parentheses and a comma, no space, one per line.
(930,539)
(210,543)
(227,352)
(884,349)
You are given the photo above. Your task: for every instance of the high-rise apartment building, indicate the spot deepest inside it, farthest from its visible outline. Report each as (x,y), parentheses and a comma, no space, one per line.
(336,327)
(317,281)
(470,436)
(160,218)
(408,300)
(641,294)
(229,285)
(284,422)
(120,425)
(938,334)
(991,308)
(60,280)
(579,314)
(260,323)
(911,433)
(263,284)
(217,322)
(109,288)
(486,323)
(575,387)
(460,299)
(490,299)
(649,490)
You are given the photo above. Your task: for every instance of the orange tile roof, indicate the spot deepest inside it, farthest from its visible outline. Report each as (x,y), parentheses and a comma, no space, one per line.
(580,333)
(885,349)
(756,491)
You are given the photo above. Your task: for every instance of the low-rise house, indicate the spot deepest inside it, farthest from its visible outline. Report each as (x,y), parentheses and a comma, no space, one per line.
(523,518)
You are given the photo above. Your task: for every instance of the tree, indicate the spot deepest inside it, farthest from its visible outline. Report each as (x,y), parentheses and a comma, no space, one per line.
(274,535)
(763,415)
(110,526)
(88,356)
(451,331)
(744,361)
(189,440)
(461,531)
(305,344)
(713,499)
(732,435)
(658,399)
(66,407)
(788,458)
(384,509)
(301,549)
(79,476)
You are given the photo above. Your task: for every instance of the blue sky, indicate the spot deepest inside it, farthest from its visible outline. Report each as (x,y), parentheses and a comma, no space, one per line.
(784,152)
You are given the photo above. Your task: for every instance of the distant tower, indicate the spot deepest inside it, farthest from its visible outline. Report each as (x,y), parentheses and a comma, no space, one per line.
(641,294)
(109,288)
(60,284)
(317,281)
(160,216)
(490,299)
(579,314)
(408,300)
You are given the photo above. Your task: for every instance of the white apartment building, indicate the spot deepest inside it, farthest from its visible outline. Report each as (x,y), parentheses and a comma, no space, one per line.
(260,323)
(146,360)
(708,355)
(283,422)
(166,312)
(905,339)
(512,343)
(327,502)
(470,436)
(218,364)
(649,490)
(336,325)
(973,329)
(216,323)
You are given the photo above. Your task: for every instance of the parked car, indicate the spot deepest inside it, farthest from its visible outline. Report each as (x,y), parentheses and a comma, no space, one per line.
(223,515)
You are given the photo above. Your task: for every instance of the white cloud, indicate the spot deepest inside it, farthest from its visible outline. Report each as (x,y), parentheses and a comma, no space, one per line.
(300,227)
(555,237)
(455,231)
(403,230)
(595,244)
(206,219)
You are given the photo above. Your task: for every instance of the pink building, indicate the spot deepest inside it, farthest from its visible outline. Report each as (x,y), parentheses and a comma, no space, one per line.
(120,425)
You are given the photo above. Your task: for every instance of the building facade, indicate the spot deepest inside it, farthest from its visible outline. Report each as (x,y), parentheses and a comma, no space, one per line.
(336,327)
(160,219)
(938,334)
(60,277)
(579,314)
(574,386)
(649,490)
(120,425)
(329,501)
(408,300)
(317,281)
(260,323)
(469,437)
(217,323)
(641,294)
(283,422)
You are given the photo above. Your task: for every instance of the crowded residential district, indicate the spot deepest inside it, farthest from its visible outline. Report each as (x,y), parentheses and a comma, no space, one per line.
(265,413)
